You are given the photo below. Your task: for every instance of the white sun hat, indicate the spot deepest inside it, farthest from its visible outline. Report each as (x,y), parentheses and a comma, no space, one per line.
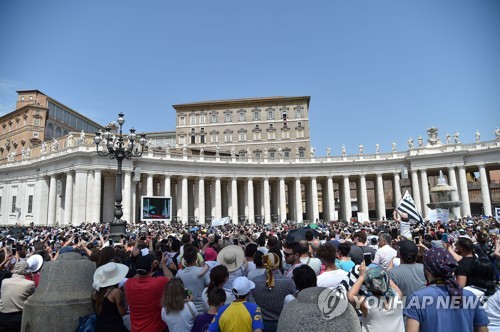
(109,274)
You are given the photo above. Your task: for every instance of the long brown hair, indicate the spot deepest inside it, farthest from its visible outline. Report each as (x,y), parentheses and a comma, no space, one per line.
(173,295)
(98,298)
(218,277)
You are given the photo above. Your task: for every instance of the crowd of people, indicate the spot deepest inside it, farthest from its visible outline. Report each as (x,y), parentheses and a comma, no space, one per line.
(396,275)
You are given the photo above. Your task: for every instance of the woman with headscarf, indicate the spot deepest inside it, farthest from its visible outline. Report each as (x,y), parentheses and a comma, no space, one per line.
(381,307)
(443,305)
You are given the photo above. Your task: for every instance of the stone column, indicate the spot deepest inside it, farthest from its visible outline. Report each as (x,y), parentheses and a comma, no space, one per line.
(425,193)
(314,199)
(282,200)
(127,194)
(464,191)
(218,199)
(363,195)
(149,185)
(80,197)
(68,198)
(396,189)
(251,213)
(201,200)
(380,197)
(267,202)
(452,181)
(485,191)
(96,215)
(52,201)
(40,209)
(415,189)
(184,203)
(346,201)
(167,191)
(298,199)
(234,200)
(331,199)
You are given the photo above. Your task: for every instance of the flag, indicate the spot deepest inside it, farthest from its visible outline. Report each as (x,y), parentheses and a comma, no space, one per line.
(407,205)
(220,222)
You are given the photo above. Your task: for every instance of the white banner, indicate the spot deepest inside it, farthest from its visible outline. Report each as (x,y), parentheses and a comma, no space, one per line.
(220,222)
(442,215)
(497,214)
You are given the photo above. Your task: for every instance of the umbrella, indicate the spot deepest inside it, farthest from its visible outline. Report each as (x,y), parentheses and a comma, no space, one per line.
(295,235)
(194,229)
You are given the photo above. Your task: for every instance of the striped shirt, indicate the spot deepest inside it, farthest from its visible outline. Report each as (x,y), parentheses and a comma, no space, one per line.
(271,300)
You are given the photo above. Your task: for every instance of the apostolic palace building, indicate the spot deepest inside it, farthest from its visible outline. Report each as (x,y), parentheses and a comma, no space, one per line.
(248,159)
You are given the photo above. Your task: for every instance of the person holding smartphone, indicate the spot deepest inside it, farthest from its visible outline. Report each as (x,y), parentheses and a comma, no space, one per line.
(409,275)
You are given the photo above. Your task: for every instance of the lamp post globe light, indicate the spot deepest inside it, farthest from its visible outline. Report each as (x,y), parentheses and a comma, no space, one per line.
(116,148)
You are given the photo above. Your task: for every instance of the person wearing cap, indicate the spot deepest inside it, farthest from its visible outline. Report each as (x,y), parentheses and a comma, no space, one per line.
(409,275)
(444,305)
(14,292)
(240,315)
(144,292)
(270,291)
(108,299)
(35,263)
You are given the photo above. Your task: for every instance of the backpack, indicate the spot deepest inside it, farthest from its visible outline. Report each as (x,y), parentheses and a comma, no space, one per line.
(87,323)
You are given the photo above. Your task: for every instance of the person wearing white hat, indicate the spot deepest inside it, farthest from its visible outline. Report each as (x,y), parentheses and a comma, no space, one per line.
(233,257)
(240,315)
(35,263)
(108,299)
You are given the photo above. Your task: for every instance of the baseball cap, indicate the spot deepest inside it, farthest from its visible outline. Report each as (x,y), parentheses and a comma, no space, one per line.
(242,286)
(144,264)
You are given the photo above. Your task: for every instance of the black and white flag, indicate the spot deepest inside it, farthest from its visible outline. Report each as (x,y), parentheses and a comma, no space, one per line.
(407,205)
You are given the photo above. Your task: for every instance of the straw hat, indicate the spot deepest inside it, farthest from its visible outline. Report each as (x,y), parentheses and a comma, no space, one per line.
(35,262)
(232,257)
(109,274)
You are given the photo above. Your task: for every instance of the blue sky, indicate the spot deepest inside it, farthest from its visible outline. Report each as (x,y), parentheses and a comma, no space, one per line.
(376,71)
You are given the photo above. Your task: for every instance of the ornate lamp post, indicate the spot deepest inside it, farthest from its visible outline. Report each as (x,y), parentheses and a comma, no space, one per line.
(117,149)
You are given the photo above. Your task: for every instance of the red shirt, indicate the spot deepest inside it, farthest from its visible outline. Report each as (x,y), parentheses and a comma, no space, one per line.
(144,296)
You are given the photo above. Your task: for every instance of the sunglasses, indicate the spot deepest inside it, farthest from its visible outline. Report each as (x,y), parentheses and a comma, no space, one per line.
(289,253)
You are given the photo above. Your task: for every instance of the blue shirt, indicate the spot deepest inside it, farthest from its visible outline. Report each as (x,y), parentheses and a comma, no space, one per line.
(344,265)
(429,307)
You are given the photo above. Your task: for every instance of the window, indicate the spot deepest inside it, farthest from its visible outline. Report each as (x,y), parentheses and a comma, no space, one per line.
(31,97)
(214,136)
(0,205)
(242,136)
(256,115)
(182,121)
(228,136)
(241,116)
(285,134)
(227,117)
(22,98)
(202,118)
(270,114)
(202,139)
(300,133)
(182,140)
(13,209)
(298,113)
(30,204)
(256,136)
(213,118)
(301,153)
(192,120)
(271,135)
(193,139)
(286,154)
(36,121)
(272,154)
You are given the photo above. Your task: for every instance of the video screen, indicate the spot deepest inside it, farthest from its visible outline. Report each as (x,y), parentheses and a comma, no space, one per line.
(156,208)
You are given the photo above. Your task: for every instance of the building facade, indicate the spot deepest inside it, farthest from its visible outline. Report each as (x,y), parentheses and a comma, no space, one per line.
(249,128)
(71,184)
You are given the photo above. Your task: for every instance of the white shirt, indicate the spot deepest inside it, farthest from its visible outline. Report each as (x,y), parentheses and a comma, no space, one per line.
(314,263)
(405,229)
(180,320)
(332,279)
(384,255)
